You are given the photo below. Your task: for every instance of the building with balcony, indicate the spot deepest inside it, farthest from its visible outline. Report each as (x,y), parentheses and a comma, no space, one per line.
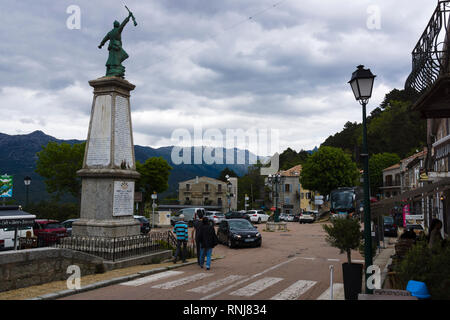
(427,185)
(207,192)
(293,198)
(391,181)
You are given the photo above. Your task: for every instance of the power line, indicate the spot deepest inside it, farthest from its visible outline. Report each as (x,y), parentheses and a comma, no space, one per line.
(250,18)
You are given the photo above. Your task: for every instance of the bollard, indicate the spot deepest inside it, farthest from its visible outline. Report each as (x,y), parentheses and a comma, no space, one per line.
(331,281)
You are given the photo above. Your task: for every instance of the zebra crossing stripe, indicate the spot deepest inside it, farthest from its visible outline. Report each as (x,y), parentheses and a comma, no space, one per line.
(151,278)
(218,292)
(216,284)
(183,281)
(256,287)
(338,292)
(295,290)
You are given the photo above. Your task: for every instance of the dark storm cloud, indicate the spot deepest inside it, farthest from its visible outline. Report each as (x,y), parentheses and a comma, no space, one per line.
(221,63)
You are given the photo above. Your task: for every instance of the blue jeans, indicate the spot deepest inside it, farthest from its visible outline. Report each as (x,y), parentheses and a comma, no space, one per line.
(205,252)
(181,251)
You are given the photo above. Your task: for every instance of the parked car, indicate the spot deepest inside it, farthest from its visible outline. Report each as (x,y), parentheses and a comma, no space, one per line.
(238,232)
(48,232)
(189,215)
(257,216)
(237,215)
(7,236)
(145,224)
(390,228)
(417,228)
(282,217)
(68,225)
(296,217)
(307,217)
(289,218)
(215,216)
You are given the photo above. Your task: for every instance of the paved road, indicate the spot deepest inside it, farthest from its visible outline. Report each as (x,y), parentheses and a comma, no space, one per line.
(288,266)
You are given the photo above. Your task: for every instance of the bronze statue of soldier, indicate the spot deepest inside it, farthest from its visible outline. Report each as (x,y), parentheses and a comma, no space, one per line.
(117,55)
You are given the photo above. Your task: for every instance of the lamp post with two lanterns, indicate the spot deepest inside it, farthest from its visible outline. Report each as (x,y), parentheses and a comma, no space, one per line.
(275,179)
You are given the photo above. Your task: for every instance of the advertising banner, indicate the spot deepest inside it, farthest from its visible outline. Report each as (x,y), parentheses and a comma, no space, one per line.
(6,186)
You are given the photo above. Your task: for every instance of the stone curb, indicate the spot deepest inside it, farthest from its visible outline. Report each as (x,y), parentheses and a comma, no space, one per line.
(106,283)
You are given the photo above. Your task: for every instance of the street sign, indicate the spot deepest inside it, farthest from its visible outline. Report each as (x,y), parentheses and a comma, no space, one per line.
(318,198)
(414,217)
(6,186)
(154,205)
(318,202)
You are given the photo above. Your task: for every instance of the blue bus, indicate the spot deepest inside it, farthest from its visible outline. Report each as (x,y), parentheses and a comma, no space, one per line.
(346,201)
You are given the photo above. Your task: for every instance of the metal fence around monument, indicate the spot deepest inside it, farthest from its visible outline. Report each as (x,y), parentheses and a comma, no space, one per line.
(119,248)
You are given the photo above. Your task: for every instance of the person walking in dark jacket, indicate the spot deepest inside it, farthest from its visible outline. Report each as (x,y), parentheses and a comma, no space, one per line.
(181,231)
(195,232)
(208,240)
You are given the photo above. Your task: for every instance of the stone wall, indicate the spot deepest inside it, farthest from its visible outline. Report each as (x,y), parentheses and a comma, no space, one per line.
(23,268)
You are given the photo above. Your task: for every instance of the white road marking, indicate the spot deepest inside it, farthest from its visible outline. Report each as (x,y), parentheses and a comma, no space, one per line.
(338,292)
(247,279)
(295,290)
(309,258)
(151,278)
(256,287)
(183,281)
(336,260)
(216,284)
(358,261)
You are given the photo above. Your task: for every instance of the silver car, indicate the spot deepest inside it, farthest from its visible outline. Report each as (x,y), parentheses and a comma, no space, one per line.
(215,216)
(68,225)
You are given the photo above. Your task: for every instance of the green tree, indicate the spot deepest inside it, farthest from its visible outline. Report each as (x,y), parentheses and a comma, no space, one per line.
(251,184)
(226,172)
(397,129)
(54,210)
(429,266)
(328,169)
(377,163)
(344,234)
(347,139)
(290,158)
(154,176)
(392,127)
(58,165)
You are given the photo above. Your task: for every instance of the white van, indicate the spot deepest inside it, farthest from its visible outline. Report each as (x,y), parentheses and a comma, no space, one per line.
(10,217)
(7,235)
(189,215)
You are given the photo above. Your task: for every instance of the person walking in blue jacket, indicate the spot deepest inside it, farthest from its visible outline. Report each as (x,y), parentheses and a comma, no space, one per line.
(181,231)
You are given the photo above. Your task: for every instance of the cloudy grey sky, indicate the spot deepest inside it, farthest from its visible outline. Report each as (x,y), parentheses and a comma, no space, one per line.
(205,62)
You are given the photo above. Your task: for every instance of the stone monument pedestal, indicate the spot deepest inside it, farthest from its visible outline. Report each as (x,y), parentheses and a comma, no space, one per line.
(276,226)
(109,169)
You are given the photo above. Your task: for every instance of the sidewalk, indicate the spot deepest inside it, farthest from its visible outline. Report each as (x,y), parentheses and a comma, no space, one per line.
(58,289)
(383,259)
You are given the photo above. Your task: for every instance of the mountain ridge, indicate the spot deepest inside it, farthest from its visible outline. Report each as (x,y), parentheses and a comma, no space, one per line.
(18,156)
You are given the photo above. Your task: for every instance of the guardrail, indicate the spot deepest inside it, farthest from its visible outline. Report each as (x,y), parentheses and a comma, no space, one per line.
(119,247)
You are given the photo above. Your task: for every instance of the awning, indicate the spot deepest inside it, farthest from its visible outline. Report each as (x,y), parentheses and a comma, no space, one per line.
(12,217)
(385,206)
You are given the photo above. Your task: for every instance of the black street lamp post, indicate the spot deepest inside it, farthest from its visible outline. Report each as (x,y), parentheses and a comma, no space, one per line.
(362,85)
(27,182)
(229,190)
(275,179)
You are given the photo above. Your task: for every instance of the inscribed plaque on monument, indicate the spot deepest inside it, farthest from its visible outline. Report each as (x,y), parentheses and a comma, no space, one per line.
(123,198)
(99,147)
(123,153)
